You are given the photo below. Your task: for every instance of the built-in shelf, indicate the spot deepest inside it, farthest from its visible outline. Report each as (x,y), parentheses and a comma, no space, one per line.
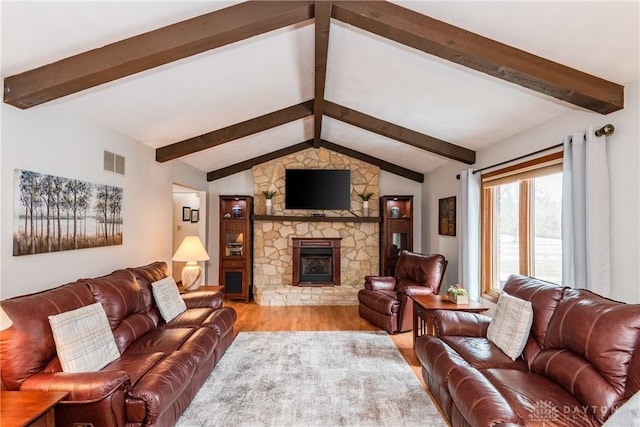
(315,218)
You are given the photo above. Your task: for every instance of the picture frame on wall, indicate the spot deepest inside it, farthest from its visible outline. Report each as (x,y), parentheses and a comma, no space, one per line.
(447,216)
(186,213)
(195,215)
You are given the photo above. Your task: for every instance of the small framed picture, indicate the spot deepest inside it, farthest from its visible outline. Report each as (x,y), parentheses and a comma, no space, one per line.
(195,215)
(447,216)
(186,213)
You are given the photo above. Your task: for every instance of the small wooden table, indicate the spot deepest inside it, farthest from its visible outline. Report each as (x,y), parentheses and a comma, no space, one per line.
(425,305)
(29,408)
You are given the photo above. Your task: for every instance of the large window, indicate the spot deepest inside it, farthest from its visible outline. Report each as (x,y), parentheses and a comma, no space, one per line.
(521,222)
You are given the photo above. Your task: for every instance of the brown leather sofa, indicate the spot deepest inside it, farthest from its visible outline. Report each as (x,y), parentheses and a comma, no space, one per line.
(384,301)
(581,361)
(162,365)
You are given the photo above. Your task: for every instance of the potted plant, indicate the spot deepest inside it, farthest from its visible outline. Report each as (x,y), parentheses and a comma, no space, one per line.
(458,295)
(365,201)
(268,195)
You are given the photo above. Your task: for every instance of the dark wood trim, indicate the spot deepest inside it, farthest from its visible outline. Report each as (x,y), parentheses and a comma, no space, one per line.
(389,167)
(151,49)
(482,54)
(399,133)
(230,133)
(248,164)
(322,25)
(293,218)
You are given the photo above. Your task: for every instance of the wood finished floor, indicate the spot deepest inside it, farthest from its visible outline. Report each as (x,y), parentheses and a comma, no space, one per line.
(253,317)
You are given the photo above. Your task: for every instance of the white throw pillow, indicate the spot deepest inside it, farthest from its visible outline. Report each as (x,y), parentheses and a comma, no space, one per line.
(83,338)
(167,296)
(510,326)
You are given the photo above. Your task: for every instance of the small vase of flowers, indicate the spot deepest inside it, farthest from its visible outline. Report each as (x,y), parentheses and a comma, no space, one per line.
(365,201)
(268,195)
(458,295)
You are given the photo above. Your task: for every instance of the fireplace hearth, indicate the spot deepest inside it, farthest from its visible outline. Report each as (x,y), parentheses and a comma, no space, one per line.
(316,261)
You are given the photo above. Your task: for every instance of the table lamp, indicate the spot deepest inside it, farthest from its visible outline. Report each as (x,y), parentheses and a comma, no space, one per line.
(191,250)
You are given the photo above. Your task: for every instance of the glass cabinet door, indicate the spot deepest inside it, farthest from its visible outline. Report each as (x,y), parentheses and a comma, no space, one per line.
(234,244)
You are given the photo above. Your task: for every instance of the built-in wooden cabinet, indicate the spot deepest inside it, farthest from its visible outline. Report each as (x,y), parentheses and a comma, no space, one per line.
(236,246)
(396,230)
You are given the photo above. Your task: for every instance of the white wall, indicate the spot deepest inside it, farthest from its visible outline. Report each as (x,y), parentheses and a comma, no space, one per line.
(624,158)
(50,140)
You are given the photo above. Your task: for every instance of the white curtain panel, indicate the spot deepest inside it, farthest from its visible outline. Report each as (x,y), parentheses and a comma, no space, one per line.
(469,234)
(585,213)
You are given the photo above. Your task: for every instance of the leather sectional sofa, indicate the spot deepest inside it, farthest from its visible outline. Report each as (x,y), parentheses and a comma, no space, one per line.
(161,367)
(580,363)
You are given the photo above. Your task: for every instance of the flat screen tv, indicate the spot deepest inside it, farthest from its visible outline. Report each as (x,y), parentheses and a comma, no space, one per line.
(322,189)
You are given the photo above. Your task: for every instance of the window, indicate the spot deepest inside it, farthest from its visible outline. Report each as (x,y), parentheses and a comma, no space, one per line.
(521,222)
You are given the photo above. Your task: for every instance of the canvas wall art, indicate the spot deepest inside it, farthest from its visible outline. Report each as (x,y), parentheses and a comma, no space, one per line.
(53,214)
(447,216)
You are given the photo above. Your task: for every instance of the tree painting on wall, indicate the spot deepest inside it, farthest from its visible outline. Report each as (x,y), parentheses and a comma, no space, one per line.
(53,214)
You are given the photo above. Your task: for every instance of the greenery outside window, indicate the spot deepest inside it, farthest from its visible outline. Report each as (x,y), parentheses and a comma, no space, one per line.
(521,222)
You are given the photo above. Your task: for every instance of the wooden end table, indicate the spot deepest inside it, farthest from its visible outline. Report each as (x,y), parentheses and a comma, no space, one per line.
(425,305)
(29,408)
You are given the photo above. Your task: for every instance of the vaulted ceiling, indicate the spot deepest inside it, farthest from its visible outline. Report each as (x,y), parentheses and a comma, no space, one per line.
(225,85)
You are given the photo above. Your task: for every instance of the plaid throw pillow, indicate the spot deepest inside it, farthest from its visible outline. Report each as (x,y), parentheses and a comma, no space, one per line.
(510,326)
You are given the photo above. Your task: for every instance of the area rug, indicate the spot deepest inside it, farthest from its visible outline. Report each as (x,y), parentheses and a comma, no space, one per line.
(312,379)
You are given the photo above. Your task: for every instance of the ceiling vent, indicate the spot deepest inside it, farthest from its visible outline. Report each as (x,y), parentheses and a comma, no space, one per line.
(113,163)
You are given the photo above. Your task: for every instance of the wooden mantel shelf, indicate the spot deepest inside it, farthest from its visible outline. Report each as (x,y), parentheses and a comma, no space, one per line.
(315,218)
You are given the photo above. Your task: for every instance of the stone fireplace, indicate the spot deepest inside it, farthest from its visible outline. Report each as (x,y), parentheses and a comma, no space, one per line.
(316,261)
(273,235)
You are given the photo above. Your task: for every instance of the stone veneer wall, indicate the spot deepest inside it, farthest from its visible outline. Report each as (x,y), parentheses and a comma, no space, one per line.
(272,263)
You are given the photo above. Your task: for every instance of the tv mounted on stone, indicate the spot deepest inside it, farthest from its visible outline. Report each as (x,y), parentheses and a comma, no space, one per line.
(321,189)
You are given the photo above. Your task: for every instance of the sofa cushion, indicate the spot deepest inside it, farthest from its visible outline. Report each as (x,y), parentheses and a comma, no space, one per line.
(589,347)
(510,326)
(161,340)
(482,353)
(31,330)
(83,338)
(167,297)
(119,293)
(145,276)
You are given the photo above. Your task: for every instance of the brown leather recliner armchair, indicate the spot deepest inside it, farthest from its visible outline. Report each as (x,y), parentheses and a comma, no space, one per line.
(384,299)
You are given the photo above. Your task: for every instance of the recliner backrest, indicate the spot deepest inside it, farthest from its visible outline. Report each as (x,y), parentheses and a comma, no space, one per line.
(420,269)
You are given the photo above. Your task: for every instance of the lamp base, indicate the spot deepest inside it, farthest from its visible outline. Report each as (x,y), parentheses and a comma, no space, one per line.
(191,276)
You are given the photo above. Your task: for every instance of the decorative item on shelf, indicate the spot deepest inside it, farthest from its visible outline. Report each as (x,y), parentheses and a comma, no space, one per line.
(395,212)
(236,211)
(268,195)
(5,320)
(458,295)
(365,201)
(191,250)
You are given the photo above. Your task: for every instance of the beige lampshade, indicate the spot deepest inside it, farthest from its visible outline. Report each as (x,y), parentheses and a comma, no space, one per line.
(191,249)
(5,321)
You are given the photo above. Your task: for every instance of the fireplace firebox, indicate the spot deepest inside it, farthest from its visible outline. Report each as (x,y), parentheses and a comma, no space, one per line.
(316,261)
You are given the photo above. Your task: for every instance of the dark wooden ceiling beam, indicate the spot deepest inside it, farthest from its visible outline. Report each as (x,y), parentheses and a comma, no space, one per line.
(322,24)
(482,54)
(248,164)
(399,133)
(238,130)
(152,49)
(389,167)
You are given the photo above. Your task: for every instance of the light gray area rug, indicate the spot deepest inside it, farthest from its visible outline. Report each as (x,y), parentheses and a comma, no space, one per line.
(323,379)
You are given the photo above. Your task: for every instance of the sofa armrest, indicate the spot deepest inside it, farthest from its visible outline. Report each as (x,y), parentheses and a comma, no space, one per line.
(379,283)
(460,323)
(82,386)
(203,299)
(415,290)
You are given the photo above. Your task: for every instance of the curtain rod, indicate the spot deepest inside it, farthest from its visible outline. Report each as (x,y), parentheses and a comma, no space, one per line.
(607,129)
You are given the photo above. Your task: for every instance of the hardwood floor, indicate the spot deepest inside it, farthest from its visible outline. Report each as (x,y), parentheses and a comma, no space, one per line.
(253,317)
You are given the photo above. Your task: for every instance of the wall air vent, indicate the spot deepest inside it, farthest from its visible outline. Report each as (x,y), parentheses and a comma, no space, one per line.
(113,163)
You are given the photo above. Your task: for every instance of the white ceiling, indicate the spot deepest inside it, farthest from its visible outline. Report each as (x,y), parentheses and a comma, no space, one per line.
(365,72)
